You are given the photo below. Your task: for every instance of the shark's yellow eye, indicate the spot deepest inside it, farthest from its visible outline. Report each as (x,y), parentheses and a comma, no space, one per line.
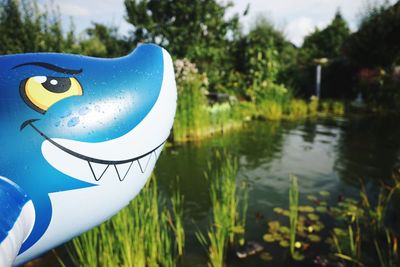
(41,92)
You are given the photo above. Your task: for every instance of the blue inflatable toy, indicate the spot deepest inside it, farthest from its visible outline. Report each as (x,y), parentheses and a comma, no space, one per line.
(79,137)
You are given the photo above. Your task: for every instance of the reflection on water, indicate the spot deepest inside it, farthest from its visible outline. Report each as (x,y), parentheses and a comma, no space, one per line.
(328,154)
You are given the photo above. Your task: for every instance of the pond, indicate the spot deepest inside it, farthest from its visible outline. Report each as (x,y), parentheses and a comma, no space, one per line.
(325,154)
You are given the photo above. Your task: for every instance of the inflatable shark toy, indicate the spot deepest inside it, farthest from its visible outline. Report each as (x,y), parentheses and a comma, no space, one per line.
(79,137)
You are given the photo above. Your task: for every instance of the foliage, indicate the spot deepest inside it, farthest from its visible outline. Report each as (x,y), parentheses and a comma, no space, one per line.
(192,117)
(139,235)
(297,109)
(104,41)
(329,41)
(375,44)
(197,30)
(293,214)
(25,28)
(355,230)
(228,209)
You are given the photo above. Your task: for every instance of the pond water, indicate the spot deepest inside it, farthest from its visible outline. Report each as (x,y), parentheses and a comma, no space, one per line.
(325,154)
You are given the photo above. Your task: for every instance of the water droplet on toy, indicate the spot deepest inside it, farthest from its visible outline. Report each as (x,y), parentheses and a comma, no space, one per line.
(73,122)
(84,110)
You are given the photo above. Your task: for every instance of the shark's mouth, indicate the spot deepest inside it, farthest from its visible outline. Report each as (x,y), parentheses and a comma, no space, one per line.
(98,167)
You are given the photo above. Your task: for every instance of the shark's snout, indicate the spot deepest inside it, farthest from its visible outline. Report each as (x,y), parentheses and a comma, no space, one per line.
(125,141)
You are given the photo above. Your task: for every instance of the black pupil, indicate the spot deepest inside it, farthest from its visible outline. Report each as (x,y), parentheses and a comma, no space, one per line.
(57,84)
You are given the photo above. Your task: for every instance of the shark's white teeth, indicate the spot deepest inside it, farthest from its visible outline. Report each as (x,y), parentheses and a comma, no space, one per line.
(98,169)
(122,170)
(144,162)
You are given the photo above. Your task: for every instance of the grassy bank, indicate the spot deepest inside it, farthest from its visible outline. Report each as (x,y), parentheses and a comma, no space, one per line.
(198,117)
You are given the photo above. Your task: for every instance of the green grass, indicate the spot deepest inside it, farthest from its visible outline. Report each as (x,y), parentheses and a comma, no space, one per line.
(192,117)
(313,106)
(142,234)
(297,109)
(271,110)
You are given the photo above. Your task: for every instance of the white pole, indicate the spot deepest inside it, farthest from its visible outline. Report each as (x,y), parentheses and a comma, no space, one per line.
(318,82)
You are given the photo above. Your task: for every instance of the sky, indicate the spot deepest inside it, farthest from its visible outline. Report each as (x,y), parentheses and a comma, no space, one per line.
(296,17)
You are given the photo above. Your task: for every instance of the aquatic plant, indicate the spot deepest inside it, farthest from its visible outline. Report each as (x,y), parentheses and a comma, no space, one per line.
(139,235)
(192,117)
(228,217)
(293,213)
(338,108)
(297,109)
(177,209)
(325,107)
(313,106)
(270,110)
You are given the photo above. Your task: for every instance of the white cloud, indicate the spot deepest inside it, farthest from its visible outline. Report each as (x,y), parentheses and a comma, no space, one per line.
(298,28)
(73,10)
(300,17)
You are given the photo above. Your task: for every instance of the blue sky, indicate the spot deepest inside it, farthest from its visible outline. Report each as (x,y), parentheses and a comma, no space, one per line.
(296,17)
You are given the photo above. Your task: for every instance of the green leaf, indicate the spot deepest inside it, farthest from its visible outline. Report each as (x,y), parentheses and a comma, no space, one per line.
(297,256)
(284,243)
(273,226)
(324,193)
(314,238)
(266,256)
(313,217)
(321,209)
(268,238)
(312,198)
(306,209)
(238,229)
(278,210)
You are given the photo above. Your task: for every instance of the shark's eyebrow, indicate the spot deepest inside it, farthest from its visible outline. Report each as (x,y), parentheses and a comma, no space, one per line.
(50,67)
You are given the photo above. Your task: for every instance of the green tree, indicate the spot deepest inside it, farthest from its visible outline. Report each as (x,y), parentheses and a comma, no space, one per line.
(327,42)
(262,55)
(25,28)
(104,41)
(376,43)
(195,29)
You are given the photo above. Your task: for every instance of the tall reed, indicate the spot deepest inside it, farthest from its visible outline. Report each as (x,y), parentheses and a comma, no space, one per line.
(226,220)
(140,235)
(293,212)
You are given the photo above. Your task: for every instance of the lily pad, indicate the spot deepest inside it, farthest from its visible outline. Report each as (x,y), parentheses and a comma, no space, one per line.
(321,209)
(339,232)
(266,256)
(306,209)
(278,210)
(297,256)
(284,243)
(284,229)
(268,238)
(312,198)
(324,193)
(314,238)
(238,229)
(277,237)
(323,203)
(286,213)
(313,217)
(273,226)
